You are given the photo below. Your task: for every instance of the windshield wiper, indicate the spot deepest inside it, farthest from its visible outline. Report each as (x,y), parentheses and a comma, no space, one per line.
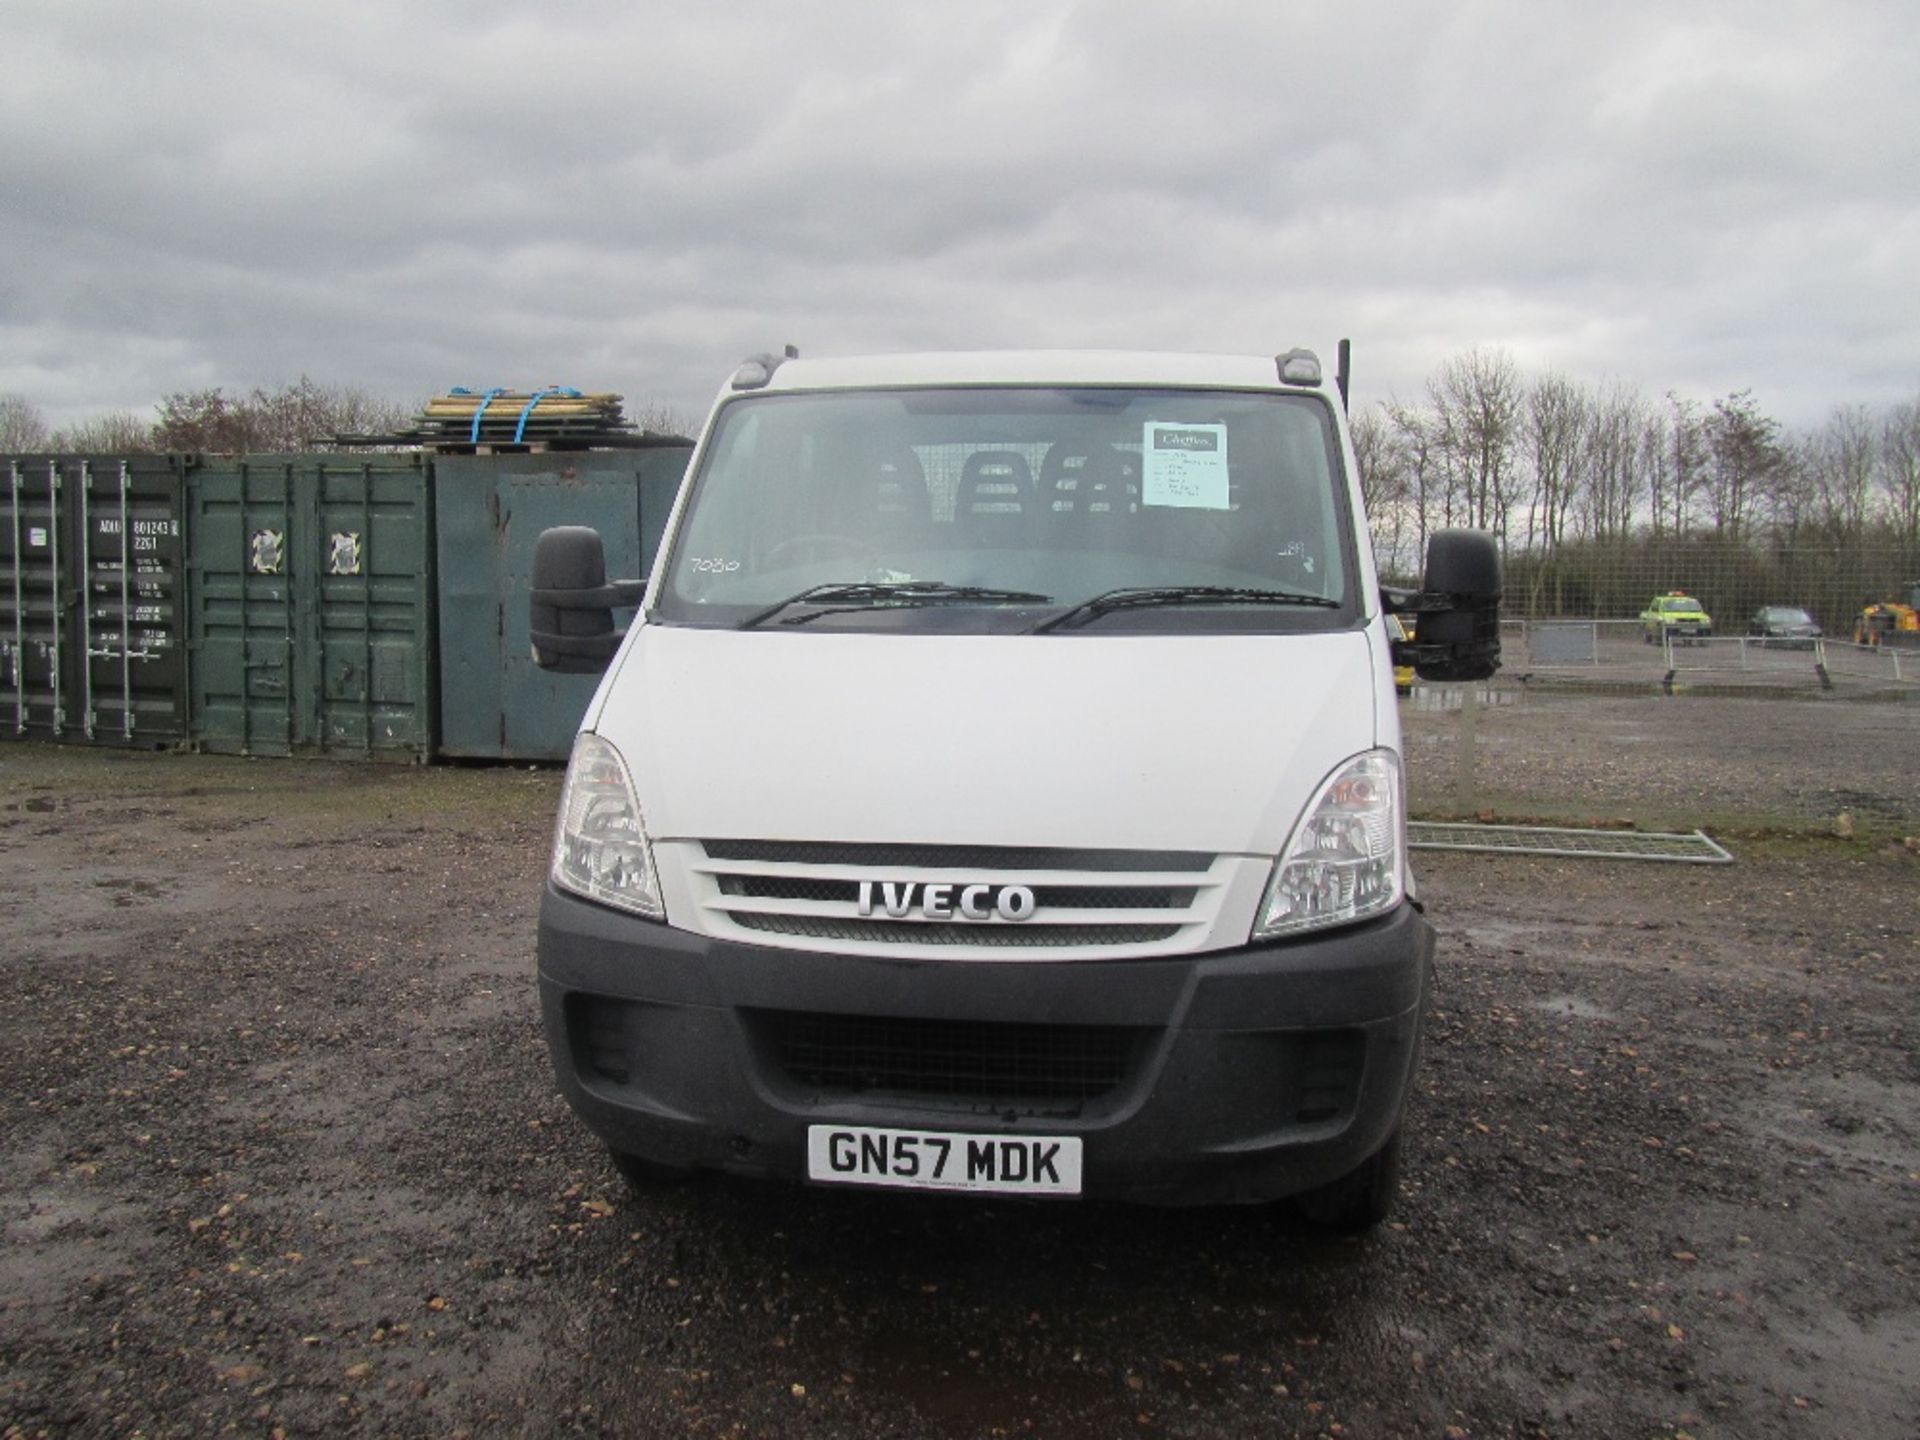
(869,594)
(1134,597)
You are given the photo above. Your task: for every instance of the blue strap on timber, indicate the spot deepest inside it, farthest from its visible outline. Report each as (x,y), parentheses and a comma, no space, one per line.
(481,409)
(538,396)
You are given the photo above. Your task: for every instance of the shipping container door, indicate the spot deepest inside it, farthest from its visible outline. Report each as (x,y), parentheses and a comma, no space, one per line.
(312,605)
(241,625)
(370,598)
(131,655)
(35,594)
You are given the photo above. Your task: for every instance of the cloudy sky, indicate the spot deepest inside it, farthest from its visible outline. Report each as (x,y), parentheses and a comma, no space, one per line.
(630,195)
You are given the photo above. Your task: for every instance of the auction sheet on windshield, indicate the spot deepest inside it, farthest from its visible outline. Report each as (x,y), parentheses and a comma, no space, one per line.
(1184,466)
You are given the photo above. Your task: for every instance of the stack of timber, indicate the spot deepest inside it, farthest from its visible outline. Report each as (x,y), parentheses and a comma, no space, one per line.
(506,422)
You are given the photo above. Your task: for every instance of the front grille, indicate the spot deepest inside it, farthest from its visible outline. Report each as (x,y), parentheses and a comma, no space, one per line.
(956,857)
(1058,897)
(933,932)
(963,1060)
(989,899)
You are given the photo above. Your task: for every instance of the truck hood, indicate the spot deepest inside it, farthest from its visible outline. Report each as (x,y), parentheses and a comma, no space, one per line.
(1210,743)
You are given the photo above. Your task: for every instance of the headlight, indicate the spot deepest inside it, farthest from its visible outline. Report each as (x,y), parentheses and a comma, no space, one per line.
(600,846)
(1347,857)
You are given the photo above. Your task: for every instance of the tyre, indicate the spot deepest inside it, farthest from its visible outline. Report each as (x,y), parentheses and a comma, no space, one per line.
(644,1175)
(1360,1199)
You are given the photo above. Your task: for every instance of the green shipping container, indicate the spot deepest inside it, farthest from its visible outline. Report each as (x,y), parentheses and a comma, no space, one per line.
(489,510)
(311,605)
(91,599)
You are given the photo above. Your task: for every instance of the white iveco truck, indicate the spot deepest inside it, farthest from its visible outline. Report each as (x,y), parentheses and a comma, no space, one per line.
(998,789)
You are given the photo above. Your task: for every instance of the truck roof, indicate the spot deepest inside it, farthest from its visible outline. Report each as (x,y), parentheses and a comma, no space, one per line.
(1034,367)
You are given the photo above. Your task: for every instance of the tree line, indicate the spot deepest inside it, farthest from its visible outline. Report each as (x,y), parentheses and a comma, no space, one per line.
(1583,483)
(292,417)
(260,421)
(1575,477)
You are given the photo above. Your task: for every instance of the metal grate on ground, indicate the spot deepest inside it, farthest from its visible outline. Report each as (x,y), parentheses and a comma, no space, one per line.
(1694,849)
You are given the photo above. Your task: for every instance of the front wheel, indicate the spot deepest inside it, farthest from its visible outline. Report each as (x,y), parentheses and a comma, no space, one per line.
(1360,1199)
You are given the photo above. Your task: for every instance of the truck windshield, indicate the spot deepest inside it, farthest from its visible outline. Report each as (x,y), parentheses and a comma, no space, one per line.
(991,509)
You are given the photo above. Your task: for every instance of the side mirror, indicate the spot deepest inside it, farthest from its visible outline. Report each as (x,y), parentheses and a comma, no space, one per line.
(1457,614)
(570,605)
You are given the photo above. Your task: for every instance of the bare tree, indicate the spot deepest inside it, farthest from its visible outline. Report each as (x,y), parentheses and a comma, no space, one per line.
(293,417)
(1675,475)
(1611,465)
(1417,436)
(1787,503)
(297,415)
(1556,415)
(118,432)
(1385,484)
(1900,475)
(1477,398)
(203,420)
(658,419)
(1555,419)
(1743,453)
(1837,465)
(22,426)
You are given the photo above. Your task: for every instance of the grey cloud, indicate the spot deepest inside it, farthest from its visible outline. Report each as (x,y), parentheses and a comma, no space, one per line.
(631,196)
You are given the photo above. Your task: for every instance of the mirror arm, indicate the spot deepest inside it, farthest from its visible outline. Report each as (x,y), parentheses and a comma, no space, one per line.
(1396,600)
(593,647)
(620,594)
(1416,654)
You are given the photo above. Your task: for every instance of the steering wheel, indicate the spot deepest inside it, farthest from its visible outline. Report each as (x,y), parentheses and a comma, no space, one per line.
(843,544)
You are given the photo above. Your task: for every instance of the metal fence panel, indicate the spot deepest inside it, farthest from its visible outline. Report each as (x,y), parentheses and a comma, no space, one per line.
(1563,643)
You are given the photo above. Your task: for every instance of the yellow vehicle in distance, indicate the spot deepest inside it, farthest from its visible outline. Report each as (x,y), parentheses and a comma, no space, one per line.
(1398,629)
(1891,622)
(1675,618)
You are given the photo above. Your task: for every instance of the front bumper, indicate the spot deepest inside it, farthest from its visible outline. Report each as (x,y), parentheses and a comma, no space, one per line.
(1241,1075)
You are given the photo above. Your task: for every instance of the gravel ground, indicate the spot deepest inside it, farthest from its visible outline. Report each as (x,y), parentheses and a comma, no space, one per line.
(282,1152)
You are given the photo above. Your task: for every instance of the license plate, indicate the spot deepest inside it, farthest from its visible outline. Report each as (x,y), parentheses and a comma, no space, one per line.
(944,1160)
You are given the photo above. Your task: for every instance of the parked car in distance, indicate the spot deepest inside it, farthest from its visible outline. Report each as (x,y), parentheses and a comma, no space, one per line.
(1675,617)
(1788,626)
